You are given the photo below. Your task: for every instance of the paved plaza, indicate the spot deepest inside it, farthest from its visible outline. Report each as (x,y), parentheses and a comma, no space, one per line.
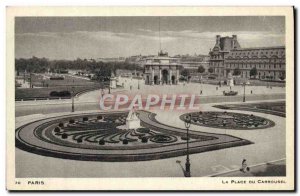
(90,100)
(135,86)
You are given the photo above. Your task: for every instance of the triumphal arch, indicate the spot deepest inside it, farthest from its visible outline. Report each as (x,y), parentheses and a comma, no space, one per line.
(161,69)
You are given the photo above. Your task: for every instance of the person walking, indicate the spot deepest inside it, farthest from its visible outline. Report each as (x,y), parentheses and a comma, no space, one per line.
(244,165)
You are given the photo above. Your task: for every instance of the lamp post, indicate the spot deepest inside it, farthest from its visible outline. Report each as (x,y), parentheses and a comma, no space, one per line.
(244,97)
(100,79)
(187,124)
(73,109)
(30,80)
(201,85)
(109,85)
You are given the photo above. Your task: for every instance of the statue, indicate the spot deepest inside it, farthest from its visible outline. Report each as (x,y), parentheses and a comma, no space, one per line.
(132,120)
(230,80)
(113,82)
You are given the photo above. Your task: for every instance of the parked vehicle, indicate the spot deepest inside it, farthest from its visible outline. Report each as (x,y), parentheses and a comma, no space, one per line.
(230,93)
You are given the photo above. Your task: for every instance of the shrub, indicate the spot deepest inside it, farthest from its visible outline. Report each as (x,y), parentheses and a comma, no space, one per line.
(236,72)
(143,130)
(201,69)
(64,136)
(57,78)
(60,94)
(125,141)
(144,139)
(184,138)
(64,94)
(101,142)
(61,124)
(53,93)
(79,140)
(85,118)
(57,129)
(281,77)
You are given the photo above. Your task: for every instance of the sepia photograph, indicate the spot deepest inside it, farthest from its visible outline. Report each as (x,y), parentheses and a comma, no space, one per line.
(145,94)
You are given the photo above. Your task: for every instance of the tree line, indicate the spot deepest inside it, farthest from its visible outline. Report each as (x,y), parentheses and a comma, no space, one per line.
(42,65)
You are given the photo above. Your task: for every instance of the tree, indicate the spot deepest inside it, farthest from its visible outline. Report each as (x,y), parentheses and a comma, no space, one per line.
(210,70)
(201,69)
(282,77)
(185,72)
(253,72)
(237,72)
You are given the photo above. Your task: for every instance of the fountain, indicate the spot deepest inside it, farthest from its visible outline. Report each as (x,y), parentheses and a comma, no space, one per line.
(132,120)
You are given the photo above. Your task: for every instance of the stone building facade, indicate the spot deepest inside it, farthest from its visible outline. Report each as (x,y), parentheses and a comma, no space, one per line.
(161,69)
(227,55)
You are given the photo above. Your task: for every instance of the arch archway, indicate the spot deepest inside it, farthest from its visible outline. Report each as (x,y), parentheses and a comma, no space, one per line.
(156,80)
(165,76)
(173,81)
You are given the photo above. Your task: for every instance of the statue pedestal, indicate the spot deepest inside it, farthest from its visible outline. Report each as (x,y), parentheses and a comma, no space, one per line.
(231,82)
(113,83)
(132,120)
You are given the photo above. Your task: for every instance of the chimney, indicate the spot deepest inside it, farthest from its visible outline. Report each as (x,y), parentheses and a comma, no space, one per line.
(234,39)
(218,38)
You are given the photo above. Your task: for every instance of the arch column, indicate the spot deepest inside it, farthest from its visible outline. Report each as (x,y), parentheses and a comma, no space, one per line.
(160,82)
(170,77)
(177,75)
(152,75)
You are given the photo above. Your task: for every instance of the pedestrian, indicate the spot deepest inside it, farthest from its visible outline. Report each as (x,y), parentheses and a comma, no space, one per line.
(244,166)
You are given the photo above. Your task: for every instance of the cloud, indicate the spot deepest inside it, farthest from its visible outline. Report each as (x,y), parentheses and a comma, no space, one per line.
(143,41)
(165,36)
(250,35)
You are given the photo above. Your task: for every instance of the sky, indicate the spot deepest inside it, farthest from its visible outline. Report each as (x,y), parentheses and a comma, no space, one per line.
(102,37)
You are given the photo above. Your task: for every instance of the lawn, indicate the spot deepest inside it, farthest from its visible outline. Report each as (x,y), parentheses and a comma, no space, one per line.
(42,87)
(37,80)
(44,93)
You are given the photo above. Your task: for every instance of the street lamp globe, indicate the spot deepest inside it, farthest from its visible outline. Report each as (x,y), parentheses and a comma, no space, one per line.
(187,121)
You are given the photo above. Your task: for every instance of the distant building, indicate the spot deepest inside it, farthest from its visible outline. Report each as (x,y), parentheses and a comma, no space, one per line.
(161,69)
(111,60)
(128,73)
(194,62)
(137,59)
(227,56)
